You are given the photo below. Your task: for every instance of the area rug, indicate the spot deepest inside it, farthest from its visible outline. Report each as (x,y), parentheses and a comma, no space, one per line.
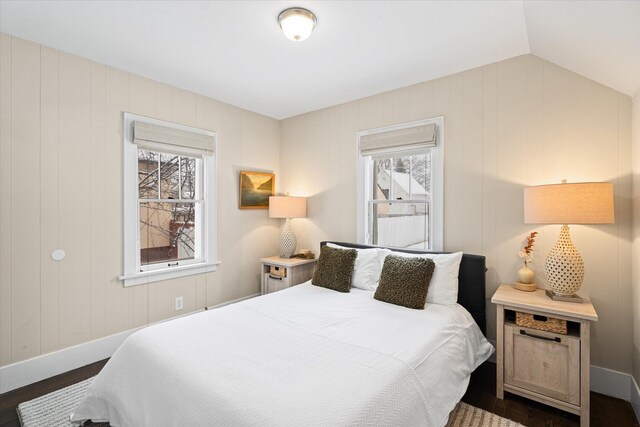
(53,410)
(464,415)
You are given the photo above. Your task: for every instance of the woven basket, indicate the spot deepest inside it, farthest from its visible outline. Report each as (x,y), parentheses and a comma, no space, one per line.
(551,324)
(278,272)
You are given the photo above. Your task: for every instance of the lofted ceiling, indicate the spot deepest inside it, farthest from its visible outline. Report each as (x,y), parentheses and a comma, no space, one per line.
(234,51)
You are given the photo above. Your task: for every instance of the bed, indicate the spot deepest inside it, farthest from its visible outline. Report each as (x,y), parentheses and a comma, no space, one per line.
(302,356)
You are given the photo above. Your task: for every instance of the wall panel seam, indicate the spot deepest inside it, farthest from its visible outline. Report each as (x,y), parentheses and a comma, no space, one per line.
(90,231)
(11,194)
(9,213)
(58,195)
(40,182)
(482,162)
(104,225)
(618,231)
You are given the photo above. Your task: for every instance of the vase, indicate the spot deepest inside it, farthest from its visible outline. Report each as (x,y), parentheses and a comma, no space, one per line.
(525,275)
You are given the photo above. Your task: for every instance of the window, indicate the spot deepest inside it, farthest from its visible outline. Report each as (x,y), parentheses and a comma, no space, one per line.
(169,200)
(400,185)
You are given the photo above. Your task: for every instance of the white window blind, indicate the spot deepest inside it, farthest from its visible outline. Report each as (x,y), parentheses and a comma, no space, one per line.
(149,135)
(407,138)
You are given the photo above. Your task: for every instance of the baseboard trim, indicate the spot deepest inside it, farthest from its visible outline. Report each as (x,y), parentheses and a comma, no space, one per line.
(233,301)
(48,365)
(634,390)
(610,382)
(30,371)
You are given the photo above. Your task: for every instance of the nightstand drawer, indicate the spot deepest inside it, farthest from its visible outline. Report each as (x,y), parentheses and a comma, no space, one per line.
(542,362)
(273,284)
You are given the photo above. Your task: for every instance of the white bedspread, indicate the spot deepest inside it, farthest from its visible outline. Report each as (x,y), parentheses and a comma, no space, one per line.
(303,356)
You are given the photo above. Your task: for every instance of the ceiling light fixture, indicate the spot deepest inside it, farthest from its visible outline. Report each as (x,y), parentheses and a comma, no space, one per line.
(297,23)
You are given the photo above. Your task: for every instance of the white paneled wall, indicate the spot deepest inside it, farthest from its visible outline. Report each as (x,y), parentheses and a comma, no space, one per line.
(519,122)
(61,187)
(523,121)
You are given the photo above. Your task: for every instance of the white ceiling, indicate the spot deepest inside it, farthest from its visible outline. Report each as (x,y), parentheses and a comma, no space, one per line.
(598,39)
(234,51)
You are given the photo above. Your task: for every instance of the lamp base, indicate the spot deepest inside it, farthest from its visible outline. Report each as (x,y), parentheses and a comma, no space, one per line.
(565,298)
(288,241)
(564,267)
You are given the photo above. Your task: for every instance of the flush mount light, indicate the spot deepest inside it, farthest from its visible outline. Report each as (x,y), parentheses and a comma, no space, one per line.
(297,23)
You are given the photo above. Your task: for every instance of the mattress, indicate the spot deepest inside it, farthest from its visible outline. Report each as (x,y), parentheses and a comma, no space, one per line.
(302,356)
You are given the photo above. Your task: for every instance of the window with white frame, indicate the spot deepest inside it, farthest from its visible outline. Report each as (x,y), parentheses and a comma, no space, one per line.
(400,185)
(169,200)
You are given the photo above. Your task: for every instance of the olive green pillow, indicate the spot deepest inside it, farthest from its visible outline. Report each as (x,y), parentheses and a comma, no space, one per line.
(405,281)
(335,268)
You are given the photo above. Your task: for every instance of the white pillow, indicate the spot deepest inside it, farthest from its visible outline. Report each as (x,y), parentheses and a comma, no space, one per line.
(366,272)
(443,288)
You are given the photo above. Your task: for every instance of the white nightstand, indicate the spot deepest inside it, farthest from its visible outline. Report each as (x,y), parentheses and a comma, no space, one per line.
(544,366)
(292,271)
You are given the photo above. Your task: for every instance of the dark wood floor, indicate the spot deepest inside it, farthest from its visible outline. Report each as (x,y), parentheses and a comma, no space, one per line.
(605,411)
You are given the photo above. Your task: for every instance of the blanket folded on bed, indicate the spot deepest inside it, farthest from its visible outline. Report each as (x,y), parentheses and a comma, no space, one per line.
(237,366)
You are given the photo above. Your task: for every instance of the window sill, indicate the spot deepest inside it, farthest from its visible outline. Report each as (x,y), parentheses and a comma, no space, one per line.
(145,277)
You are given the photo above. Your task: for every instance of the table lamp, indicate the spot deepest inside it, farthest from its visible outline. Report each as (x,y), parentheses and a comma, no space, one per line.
(287,207)
(574,203)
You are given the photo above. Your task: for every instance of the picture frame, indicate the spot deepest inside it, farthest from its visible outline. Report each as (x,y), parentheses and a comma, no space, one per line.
(255,189)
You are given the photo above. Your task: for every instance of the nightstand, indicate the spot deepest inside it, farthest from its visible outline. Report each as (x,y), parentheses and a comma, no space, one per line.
(280,273)
(547,367)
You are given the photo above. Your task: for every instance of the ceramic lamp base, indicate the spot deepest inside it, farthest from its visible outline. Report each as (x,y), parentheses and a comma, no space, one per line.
(288,241)
(564,267)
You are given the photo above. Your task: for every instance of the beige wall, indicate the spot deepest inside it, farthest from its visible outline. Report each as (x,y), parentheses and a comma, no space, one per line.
(636,237)
(61,187)
(519,122)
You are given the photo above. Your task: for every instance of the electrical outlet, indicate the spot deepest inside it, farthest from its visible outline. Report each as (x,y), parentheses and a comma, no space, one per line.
(179,303)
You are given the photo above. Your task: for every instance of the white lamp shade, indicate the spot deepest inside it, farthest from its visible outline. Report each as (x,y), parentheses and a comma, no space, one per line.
(297,23)
(287,207)
(573,203)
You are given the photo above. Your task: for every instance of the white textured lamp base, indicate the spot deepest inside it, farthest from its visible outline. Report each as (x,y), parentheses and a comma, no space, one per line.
(564,269)
(288,241)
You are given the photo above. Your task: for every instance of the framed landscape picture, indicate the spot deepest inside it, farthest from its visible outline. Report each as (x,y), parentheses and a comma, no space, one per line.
(255,189)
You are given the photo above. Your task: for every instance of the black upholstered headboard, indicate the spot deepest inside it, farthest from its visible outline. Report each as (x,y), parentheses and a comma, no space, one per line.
(471,281)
